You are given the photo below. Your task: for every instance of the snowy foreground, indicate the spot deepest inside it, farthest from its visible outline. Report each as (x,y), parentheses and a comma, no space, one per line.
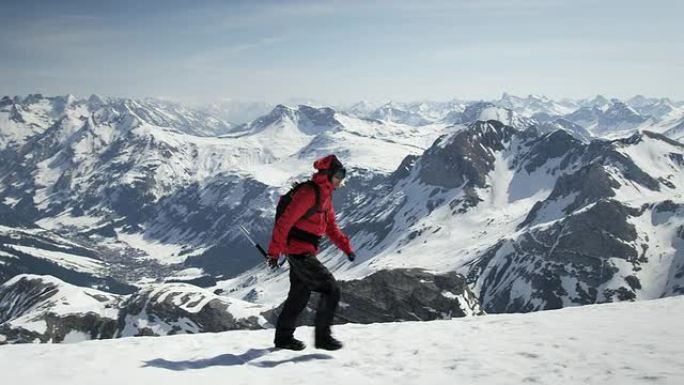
(622,343)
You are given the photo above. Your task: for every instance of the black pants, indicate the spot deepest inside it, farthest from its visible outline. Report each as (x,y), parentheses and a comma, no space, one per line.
(308,274)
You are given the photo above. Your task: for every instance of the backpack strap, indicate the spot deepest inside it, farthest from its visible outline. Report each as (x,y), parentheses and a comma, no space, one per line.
(317,205)
(303,235)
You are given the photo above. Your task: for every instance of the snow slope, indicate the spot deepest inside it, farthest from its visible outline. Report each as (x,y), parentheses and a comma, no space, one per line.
(624,343)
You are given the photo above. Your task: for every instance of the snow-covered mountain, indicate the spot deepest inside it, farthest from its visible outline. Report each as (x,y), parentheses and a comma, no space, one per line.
(605,344)
(484,111)
(618,119)
(535,105)
(599,101)
(128,176)
(599,115)
(480,205)
(25,117)
(655,107)
(46,309)
(535,220)
(414,113)
(361,109)
(43,308)
(393,113)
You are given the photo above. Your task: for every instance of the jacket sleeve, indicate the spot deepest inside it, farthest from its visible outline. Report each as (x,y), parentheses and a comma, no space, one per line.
(302,200)
(335,234)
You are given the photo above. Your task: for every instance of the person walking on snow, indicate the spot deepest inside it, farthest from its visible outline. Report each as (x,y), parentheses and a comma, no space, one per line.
(307,216)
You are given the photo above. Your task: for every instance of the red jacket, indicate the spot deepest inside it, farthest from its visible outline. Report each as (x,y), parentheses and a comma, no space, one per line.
(321,222)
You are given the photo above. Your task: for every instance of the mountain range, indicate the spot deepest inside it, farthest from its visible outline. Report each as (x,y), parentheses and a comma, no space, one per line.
(118,215)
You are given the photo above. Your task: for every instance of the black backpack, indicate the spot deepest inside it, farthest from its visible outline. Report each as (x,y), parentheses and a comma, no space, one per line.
(296,232)
(285,200)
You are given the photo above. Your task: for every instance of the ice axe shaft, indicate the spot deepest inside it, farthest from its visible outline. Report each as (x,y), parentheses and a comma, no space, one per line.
(257,245)
(253,242)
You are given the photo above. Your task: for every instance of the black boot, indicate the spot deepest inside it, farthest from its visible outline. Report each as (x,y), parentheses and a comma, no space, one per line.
(328,343)
(290,343)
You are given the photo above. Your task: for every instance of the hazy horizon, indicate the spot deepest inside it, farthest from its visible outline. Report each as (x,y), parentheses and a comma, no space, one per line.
(314,102)
(337,53)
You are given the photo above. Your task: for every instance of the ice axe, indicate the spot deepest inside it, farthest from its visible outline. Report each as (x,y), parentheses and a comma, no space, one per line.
(257,245)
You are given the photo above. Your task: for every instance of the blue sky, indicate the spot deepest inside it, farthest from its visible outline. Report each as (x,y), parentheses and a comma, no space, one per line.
(342,51)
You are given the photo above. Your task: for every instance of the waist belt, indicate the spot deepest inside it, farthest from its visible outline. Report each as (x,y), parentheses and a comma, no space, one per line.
(304,236)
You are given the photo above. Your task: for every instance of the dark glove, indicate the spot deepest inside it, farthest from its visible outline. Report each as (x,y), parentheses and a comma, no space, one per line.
(273,263)
(351,256)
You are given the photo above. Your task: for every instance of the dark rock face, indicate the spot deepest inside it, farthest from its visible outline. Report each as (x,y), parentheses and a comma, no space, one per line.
(397,295)
(405,295)
(589,183)
(11,218)
(602,231)
(563,264)
(464,157)
(557,144)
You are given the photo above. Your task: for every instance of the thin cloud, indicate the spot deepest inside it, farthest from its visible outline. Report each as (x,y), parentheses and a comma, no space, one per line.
(218,59)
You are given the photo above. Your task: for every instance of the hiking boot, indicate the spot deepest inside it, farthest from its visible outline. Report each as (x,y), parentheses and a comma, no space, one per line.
(328,343)
(290,344)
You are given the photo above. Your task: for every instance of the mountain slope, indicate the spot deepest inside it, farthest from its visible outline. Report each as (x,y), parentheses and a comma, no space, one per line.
(535,220)
(143,175)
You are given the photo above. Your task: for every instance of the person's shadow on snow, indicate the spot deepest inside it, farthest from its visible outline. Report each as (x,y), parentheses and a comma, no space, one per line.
(231,360)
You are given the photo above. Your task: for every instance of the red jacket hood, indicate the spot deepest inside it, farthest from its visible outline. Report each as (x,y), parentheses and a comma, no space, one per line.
(325,162)
(322,164)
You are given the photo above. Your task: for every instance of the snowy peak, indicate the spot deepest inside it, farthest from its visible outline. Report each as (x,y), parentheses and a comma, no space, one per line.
(393,113)
(612,120)
(599,101)
(361,109)
(619,111)
(658,108)
(485,111)
(565,125)
(304,119)
(534,104)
